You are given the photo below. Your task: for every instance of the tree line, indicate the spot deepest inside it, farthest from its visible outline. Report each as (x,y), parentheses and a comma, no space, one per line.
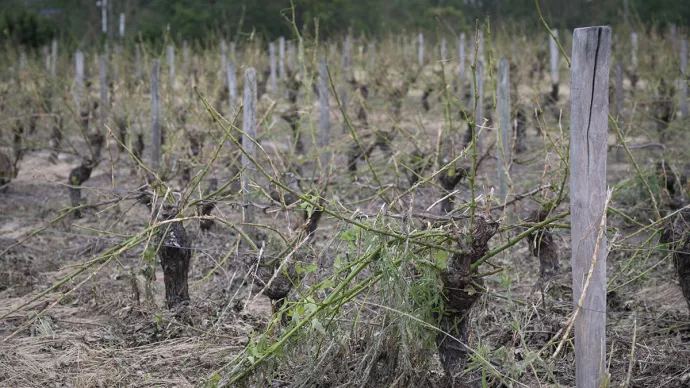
(33,23)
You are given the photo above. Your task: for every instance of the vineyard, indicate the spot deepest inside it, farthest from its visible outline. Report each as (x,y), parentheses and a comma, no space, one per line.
(385,212)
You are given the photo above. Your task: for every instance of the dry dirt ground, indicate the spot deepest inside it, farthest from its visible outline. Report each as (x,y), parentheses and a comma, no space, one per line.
(103,329)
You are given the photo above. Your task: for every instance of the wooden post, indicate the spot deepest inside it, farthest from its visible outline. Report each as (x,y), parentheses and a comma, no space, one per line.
(185,57)
(104,16)
(274,76)
(462,60)
(674,39)
(479,113)
(618,88)
(155,111)
(53,59)
(171,66)
(122,26)
(249,129)
(103,85)
(505,132)
(589,108)
(137,62)
(79,81)
(46,57)
(347,57)
(233,49)
(684,78)
(300,56)
(343,89)
(324,117)
(372,55)
(232,88)
(634,42)
(291,55)
(223,55)
(109,20)
(553,48)
(625,11)
(420,49)
(443,50)
(480,49)
(116,63)
(281,58)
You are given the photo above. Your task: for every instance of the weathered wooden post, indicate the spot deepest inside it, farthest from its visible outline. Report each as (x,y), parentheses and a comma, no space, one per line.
(291,55)
(479,93)
(118,49)
(684,78)
(480,48)
(137,62)
(324,116)
(116,64)
(300,56)
(273,76)
(553,48)
(347,58)
(232,88)
(155,111)
(249,129)
(54,59)
(281,58)
(79,81)
(343,90)
(46,57)
(223,55)
(618,88)
(371,50)
(104,16)
(674,40)
(103,86)
(420,49)
(589,108)
(633,54)
(171,66)
(462,60)
(505,129)
(185,57)
(443,50)
(122,26)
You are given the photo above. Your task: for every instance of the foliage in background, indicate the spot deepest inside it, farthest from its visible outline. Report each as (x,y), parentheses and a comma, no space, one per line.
(22,27)
(31,22)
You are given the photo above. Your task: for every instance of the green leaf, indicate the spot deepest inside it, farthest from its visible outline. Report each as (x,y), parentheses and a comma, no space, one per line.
(316,325)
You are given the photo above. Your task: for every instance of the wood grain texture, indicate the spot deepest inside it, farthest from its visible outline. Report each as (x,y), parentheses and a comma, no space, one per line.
(505,123)
(589,82)
(479,112)
(232,87)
